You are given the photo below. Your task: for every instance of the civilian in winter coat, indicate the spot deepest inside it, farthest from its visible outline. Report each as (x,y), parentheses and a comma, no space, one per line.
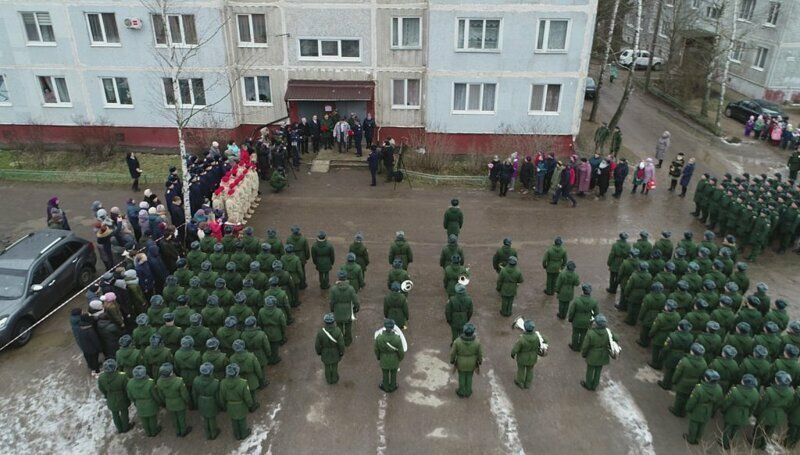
(53,208)
(505,175)
(541,174)
(109,334)
(638,177)
(564,186)
(649,176)
(675,169)
(89,342)
(134,169)
(620,174)
(494,171)
(145,274)
(369,129)
(603,177)
(584,176)
(156,265)
(661,147)
(526,174)
(551,165)
(686,176)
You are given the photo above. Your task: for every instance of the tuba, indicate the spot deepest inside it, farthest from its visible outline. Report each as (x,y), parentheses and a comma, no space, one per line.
(519,323)
(463,280)
(406,285)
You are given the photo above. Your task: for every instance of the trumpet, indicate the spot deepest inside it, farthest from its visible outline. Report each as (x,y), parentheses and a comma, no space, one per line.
(406,285)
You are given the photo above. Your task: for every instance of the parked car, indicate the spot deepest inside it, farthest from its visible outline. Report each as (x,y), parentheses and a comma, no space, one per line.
(36,273)
(639,59)
(591,89)
(742,110)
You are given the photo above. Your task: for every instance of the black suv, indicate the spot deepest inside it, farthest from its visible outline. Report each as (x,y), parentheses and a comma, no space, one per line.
(742,110)
(36,273)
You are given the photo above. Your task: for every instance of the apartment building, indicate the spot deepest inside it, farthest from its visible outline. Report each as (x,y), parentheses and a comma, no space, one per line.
(472,72)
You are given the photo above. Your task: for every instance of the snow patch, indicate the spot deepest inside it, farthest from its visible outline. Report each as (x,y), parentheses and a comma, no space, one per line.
(429,371)
(380,426)
(503,412)
(648,374)
(261,431)
(423,399)
(437,433)
(619,401)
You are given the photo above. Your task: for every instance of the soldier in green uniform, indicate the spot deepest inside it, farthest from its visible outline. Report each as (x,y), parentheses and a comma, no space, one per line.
(323,257)
(643,245)
(397,274)
(400,249)
(739,276)
(663,325)
(580,314)
(620,251)
(758,365)
(141,391)
(143,331)
(205,394)
(171,291)
(285,282)
(207,276)
(195,257)
(635,289)
(526,351)
(389,352)
(198,296)
(227,334)
(281,297)
(215,357)
(448,251)
(233,279)
(329,345)
(224,294)
(710,244)
(703,403)
(554,260)
(170,333)
(395,306)
(687,375)
(251,245)
(212,314)
(792,334)
(265,258)
(731,290)
(273,321)
(681,264)
(258,279)
(458,310)
(240,310)
(788,363)
(703,195)
(664,245)
(502,254)
(207,242)
(793,417)
(187,362)
(354,273)
(703,261)
(788,224)
(292,264)
(711,341)
(627,268)
(257,342)
(228,239)
(676,346)
(173,395)
(764,300)
(252,296)
(182,272)
(249,369)
(452,274)
(778,314)
(794,164)
(742,340)
(127,356)
(157,311)
(182,312)
(667,277)
(693,277)
(771,410)
(727,263)
(236,400)
(565,288)
(652,306)
(770,338)
(727,367)
(301,249)
(682,297)
(699,316)
(275,244)
(688,245)
(113,385)
(595,349)
(759,235)
(344,305)
(360,250)
(508,281)
(155,355)
(218,258)
(655,263)
(466,357)
(737,407)
(716,277)
(453,218)
(750,314)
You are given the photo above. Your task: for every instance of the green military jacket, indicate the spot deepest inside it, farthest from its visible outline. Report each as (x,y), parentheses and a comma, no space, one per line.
(676,347)
(197,297)
(253,298)
(695,281)
(741,279)
(293,265)
(156,315)
(228,243)
(779,317)
(453,220)
(194,258)
(141,336)
(275,246)
(555,259)
(225,297)
(739,404)
(182,315)
(265,259)
(283,300)
(760,368)
(728,371)
(595,347)
(207,244)
(458,310)
(400,249)
(219,359)
(172,393)
(301,248)
(362,255)
(652,306)
(329,350)
(273,322)
(466,353)
(637,286)
(581,311)
(127,359)
(233,281)
(665,247)
(712,248)
(184,274)
(236,397)
(793,413)
(343,301)
(389,350)
(500,258)
(396,275)
(240,311)
(688,373)
(446,256)
(153,358)
(395,307)
(698,318)
(260,280)
(644,247)
(508,280)
(751,316)
(218,261)
(565,285)
(114,387)
(526,349)
(355,276)
(451,275)
(171,336)
(717,277)
(207,279)
(187,364)
(712,342)
(668,279)
(703,402)
(226,337)
(142,393)
(626,270)
(251,245)
(250,368)
(213,317)
(171,293)
(771,409)
(788,338)
(257,342)
(790,366)
(744,344)
(771,341)
(620,251)
(725,317)
(681,267)
(684,300)
(664,324)
(323,255)
(711,297)
(690,247)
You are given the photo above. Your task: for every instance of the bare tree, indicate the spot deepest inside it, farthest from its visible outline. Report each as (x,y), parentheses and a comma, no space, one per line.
(656,32)
(606,53)
(729,57)
(626,94)
(713,55)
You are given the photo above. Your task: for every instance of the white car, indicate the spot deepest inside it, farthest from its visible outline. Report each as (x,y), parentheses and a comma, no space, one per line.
(640,59)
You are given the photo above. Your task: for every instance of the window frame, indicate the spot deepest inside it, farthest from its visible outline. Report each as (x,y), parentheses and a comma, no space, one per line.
(546,49)
(55,91)
(483,37)
(746,15)
(544,99)
(759,56)
(4,79)
(773,13)
(737,50)
(695,4)
(177,95)
(168,31)
(40,42)
(118,104)
(399,45)
(328,58)
(105,42)
(662,27)
(405,95)
(252,42)
(247,102)
(467,111)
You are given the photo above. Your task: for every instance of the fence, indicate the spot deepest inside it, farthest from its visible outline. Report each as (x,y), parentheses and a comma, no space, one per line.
(67,176)
(474,180)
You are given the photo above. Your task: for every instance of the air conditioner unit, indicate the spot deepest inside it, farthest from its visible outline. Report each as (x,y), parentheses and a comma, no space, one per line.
(133,23)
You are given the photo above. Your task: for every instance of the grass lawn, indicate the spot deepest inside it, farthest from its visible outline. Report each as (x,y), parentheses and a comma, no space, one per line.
(155,166)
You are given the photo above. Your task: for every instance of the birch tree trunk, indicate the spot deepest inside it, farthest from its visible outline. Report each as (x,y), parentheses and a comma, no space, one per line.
(607,52)
(629,81)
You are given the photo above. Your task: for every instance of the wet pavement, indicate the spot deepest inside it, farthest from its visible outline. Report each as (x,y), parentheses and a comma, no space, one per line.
(51,404)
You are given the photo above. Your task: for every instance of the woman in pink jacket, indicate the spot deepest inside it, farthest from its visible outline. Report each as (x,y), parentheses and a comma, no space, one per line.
(584,177)
(649,176)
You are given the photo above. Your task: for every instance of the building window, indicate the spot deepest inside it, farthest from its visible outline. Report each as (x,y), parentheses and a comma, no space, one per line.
(738,51)
(406,32)
(545,98)
(5,100)
(552,36)
(38,27)
(102,29)
(746,11)
(772,14)
(761,58)
(252,30)
(669,2)
(330,49)
(663,28)
(192,92)
(712,12)
(257,90)
(405,93)
(116,91)
(177,30)
(695,4)
(478,34)
(54,91)
(474,98)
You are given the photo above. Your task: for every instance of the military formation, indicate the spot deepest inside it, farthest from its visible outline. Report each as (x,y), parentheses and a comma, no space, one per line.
(722,345)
